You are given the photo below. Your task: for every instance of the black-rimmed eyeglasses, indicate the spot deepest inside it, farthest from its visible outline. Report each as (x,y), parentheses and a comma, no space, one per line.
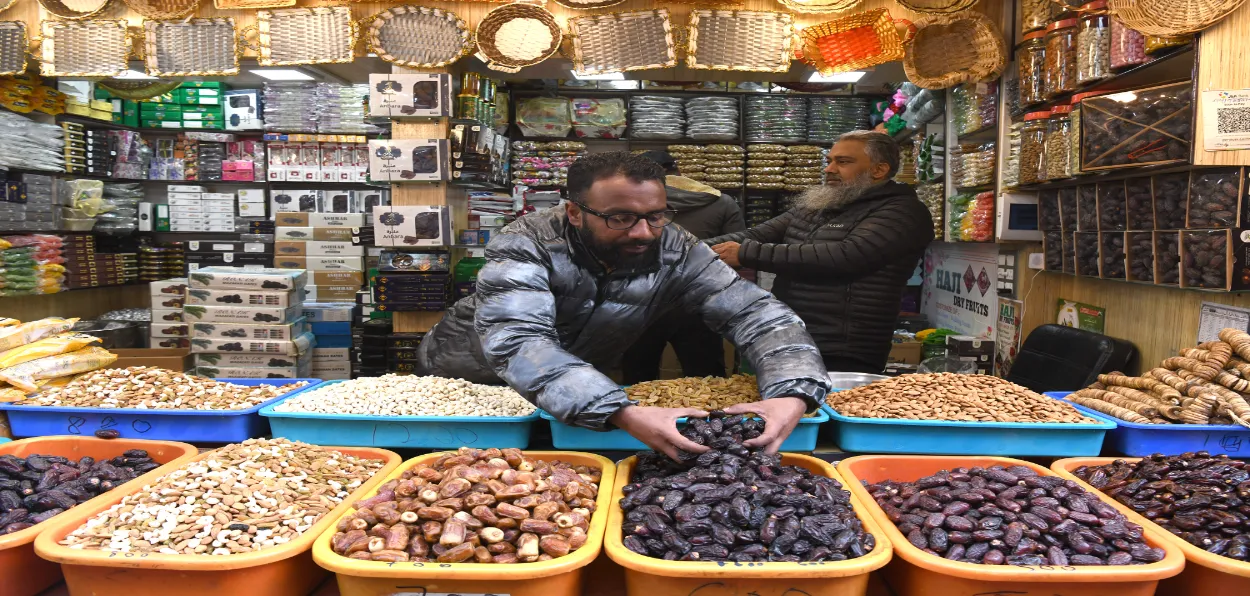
(625,221)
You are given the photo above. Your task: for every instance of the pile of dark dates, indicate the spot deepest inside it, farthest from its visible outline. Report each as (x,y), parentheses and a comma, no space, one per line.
(39,487)
(1141,256)
(1140,202)
(1213,199)
(1012,516)
(737,504)
(1087,253)
(1112,254)
(1201,498)
(1205,258)
(1170,197)
(1053,246)
(1168,257)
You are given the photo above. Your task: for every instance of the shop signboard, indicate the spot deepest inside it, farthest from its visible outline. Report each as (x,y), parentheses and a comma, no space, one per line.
(959,287)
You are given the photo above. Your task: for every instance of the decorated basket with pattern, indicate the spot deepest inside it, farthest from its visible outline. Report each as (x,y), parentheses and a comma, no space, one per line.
(85,48)
(623,41)
(419,36)
(191,48)
(739,40)
(322,35)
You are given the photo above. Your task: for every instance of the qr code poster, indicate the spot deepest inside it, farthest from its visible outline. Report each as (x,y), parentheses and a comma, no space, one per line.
(1225,120)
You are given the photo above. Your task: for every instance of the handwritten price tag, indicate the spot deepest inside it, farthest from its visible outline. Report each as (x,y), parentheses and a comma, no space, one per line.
(78,425)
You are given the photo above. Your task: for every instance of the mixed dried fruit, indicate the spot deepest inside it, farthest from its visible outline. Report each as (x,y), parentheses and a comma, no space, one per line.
(737,504)
(1011,515)
(474,506)
(152,388)
(39,487)
(241,498)
(1204,499)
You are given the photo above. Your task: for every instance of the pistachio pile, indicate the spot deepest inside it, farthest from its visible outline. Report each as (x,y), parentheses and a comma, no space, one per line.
(242,498)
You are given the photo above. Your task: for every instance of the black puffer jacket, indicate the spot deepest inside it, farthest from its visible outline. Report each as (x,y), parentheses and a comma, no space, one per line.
(844,270)
(701,209)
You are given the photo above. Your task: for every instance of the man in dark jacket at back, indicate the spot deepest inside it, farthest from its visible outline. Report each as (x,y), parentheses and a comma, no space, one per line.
(843,252)
(704,212)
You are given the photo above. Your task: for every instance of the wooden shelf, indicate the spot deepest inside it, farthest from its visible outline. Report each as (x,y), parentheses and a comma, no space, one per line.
(1167,67)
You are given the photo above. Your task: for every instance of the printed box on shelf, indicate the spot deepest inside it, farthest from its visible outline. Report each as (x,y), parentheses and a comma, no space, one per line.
(334,341)
(320,263)
(410,95)
(319,234)
(171,342)
(205,297)
(211,246)
(248,314)
(320,220)
(251,195)
(331,371)
(321,312)
(243,110)
(252,209)
(339,202)
(250,331)
(253,360)
(168,301)
(312,248)
(234,278)
(290,347)
(316,293)
(244,372)
(167,315)
(332,328)
(323,356)
(169,330)
(412,226)
(288,200)
(408,160)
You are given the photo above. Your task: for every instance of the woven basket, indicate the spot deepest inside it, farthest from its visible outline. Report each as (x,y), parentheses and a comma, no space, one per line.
(852,42)
(320,35)
(419,36)
(739,40)
(951,49)
(623,42)
(1171,17)
(191,48)
(820,6)
(7,4)
(136,90)
(514,36)
(251,4)
(163,9)
(588,4)
(14,46)
(62,10)
(88,48)
(937,6)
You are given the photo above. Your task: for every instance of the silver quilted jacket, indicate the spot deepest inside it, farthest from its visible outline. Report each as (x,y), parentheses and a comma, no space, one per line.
(547,314)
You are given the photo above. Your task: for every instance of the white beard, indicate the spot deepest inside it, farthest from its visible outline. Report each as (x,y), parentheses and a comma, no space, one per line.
(819,198)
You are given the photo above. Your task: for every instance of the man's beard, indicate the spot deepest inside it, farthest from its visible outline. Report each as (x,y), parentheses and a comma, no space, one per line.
(835,196)
(612,256)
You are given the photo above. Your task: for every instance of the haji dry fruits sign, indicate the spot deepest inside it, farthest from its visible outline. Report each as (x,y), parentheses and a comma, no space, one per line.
(958,288)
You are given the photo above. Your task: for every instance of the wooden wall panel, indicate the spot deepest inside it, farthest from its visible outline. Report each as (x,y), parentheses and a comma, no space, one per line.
(84,304)
(1218,48)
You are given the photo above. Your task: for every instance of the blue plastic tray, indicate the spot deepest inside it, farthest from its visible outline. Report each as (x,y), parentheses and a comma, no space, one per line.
(423,432)
(188,426)
(937,437)
(564,436)
(1141,440)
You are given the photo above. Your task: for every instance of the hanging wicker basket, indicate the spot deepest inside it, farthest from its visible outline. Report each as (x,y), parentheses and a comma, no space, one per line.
(1171,17)
(419,36)
(937,6)
(251,4)
(87,48)
(623,42)
(14,46)
(588,4)
(163,9)
(60,9)
(191,48)
(739,40)
(820,6)
(951,49)
(137,90)
(514,36)
(294,36)
(853,42)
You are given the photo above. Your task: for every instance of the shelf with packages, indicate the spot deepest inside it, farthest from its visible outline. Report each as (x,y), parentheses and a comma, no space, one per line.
(1111,176)
(1167,66)
(985,133)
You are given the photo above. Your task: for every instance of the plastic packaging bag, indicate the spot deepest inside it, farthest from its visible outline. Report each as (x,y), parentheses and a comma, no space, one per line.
(944,364)
(544,117)
(25,376)
(49,346)
(12,337)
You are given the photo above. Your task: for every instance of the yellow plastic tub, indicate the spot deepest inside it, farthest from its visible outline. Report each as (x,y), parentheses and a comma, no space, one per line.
(1205,573)
(23,571)
(647,576)
(914,572)
(286,570)
(557,577)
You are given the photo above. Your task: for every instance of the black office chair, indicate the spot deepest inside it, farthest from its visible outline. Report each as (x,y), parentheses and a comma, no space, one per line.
(1058,358)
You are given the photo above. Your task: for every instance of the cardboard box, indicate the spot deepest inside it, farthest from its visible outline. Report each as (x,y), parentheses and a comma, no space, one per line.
(235,278)
(203,297)
(336,278)
(171,342)
(167,315)
(241,314)
(253,360)
(410,95)
(320,263)
(245,372)
(967,345)
(251,195)
(905,353)
(175,359)
(286,331)
(169,330)
(412,226)
(321,356)
(215,246)
(336,328)
(320,220)
(316,293)
(168,301)
(292,347)
(332,371)
(243,110)
(299,248)
(319,234)
(175,286)
(408,160)
(319,312)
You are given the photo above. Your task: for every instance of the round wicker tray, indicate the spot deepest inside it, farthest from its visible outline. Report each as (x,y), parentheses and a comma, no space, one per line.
(1171,17)
(163,9)
(82,10)
(948,50)
(937,6)
(820,6)
(419,36)
(514,36)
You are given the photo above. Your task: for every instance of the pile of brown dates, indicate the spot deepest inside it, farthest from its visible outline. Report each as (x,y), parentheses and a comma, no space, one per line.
(1204,499)
(38,487)
(737,504)
(1011,515)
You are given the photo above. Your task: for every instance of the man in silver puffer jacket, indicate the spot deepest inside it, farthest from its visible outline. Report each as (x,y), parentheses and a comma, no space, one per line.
(569,289)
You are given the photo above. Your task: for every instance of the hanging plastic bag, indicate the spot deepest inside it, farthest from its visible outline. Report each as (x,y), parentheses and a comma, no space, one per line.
(12,337)
(50,346)
(25,376)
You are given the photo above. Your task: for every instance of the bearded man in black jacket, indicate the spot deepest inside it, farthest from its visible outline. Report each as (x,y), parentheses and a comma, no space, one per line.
(844,252)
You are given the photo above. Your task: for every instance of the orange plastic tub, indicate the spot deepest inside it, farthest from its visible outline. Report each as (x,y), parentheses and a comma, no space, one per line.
(647,576)
(557,577)
(1205,573)
(286,570)
(914,572)
(24,572)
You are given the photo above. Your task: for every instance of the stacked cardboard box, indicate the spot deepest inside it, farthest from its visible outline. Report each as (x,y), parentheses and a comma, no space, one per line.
(247,323)
(331,325)
(168,329)
(328,245)
(972,349)
(194,105)
(234,253)
(192,209)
